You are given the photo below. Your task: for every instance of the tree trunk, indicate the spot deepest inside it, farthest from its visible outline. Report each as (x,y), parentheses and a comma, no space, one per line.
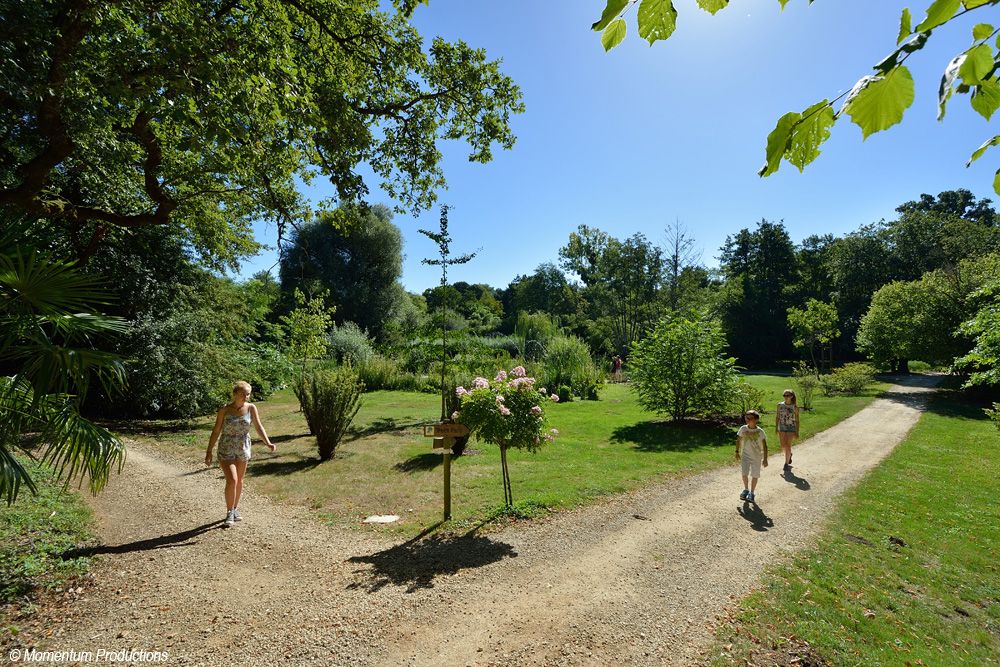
(508,496)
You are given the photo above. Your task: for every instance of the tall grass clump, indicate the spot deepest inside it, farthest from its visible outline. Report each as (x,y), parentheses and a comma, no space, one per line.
(379,372)
(330,399)
(567,363)
(533,332)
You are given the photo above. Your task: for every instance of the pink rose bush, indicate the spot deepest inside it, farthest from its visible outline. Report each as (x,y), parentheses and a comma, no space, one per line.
(507,412)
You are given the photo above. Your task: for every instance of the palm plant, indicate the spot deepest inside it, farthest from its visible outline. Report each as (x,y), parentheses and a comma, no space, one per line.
(48,326)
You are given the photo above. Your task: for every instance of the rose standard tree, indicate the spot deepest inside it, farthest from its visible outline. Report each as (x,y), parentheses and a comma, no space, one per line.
(506,412)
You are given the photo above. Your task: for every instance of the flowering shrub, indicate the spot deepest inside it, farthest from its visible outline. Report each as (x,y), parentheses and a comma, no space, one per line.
(507,412)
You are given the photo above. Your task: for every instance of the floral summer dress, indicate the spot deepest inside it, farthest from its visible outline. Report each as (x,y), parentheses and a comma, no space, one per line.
(786,418)
(235,440)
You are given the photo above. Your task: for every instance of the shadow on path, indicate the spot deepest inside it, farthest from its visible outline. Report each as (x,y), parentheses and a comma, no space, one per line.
(272,467)
(800,483)
(181,539)
(755,515)
(417,562)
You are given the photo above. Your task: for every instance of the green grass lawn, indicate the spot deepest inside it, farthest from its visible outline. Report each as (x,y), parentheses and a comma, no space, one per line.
(385,465)
(857,598)
(34,532)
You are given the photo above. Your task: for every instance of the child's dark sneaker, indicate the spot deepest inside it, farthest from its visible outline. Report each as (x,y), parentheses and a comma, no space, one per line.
(744,494)
(788,467)
(750,497)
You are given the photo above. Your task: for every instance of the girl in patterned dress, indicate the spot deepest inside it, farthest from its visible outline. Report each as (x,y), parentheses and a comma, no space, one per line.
(787,425)
(232,432)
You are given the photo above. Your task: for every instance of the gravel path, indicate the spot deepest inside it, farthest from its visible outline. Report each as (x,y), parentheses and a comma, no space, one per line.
(639,580)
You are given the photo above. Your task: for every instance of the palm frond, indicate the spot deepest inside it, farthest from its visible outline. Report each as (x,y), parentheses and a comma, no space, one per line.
(76,446)
(12,476)
(37,283)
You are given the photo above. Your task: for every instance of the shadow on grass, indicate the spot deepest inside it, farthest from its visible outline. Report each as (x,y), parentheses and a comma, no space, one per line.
(181,539)
(276,467)
(426,461)
(416,562)
(286,438)
(382,425)
(755,515)
(681,436)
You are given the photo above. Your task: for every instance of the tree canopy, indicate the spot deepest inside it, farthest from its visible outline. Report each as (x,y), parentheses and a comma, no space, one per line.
(205,115)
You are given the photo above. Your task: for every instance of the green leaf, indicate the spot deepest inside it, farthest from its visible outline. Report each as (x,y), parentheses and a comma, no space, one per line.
(977,64)
(613,34)
(905,25)
(978,153)
(982,31)
(972,4)
(657,19)
(712,6)
(613,9)
(893,59)
(948,83)
(996,182)
(810,133)
(877,103)
(939,12)
(986,98)
(778,142)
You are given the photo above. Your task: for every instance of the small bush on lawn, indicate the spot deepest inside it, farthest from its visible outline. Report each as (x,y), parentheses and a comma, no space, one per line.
(850,379)
(680,369)
(805,382)
(329,400)
(744,397)
(348,343)
(567,361)
(994,415)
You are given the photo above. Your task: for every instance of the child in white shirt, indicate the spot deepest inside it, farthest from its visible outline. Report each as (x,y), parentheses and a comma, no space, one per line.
(751,451)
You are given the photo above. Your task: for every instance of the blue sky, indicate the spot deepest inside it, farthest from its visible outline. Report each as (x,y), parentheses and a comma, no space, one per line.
(631,140)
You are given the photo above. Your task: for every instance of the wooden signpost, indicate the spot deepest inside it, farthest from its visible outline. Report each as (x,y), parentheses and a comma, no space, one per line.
(444,434)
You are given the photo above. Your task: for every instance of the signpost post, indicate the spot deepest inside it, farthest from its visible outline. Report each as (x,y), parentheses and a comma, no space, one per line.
(444,434)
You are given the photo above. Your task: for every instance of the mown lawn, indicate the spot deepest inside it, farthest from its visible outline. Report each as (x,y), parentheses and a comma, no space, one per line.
(907,573)
(385,465)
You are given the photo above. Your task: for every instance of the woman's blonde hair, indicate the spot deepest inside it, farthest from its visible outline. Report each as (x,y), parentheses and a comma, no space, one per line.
(243,386)
(789,391)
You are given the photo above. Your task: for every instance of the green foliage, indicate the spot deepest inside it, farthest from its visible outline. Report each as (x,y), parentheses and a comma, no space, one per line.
(622,279)
(994,415)
(507,412)
(759,267)
(744,396)
(812,325)
(849,379)
(308,325)
(912,320)
(982,362)
(48,325)
(36,532)
(378,373)
(568,363)
(263,366)
(680,368)
(533,332)
(806,380)
(206,115)
(330,399)
(356,255)
(876,102)
(348,343)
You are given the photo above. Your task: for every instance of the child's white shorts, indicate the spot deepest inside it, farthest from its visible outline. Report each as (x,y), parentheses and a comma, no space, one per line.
(750,465)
